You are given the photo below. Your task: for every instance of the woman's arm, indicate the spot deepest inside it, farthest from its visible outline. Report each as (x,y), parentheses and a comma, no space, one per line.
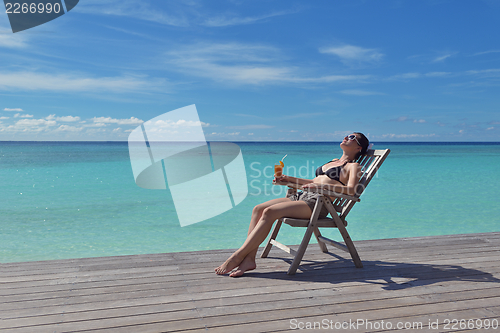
(292,181)
(354,173)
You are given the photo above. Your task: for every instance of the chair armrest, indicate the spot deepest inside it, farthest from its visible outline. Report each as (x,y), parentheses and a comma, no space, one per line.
(290,185)
(332,194)
(320,191)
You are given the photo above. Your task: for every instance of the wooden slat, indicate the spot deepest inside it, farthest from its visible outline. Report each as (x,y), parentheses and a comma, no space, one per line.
(405,279)
(334,243)
(323,223)
(283,247)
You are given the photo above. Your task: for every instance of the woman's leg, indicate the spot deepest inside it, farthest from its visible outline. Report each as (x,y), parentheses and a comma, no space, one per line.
(296,209)
(248,262)
(259,209)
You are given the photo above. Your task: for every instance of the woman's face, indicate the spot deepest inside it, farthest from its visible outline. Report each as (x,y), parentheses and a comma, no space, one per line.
(351,143)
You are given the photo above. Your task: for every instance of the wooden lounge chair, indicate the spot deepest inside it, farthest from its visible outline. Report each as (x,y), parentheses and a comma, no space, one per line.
(338,208)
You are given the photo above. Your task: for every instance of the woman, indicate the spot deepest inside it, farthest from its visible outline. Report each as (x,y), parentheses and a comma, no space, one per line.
(339,175)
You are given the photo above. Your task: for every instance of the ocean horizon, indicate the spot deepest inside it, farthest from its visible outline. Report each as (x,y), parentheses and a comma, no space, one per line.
(268,141)
(74,199)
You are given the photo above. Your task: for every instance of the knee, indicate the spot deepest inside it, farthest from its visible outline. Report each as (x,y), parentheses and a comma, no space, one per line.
(269,214)
(257,210)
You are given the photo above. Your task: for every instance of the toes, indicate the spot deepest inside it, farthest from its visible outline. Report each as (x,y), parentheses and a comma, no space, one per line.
(220,271)
(237,273)
(227,267)
(223,269)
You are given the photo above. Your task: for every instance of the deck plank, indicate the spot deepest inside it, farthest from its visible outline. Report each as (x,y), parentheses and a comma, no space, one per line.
(403,280)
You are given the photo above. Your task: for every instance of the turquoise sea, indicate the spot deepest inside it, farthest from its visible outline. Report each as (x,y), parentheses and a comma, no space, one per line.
(79,199)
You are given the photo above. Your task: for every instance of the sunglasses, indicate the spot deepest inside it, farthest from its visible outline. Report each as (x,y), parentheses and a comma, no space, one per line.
(353,137)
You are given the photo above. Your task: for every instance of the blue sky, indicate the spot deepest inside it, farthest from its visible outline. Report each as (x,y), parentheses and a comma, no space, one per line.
(257,70)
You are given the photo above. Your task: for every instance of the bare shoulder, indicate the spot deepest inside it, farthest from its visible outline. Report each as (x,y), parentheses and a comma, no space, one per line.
(353,167)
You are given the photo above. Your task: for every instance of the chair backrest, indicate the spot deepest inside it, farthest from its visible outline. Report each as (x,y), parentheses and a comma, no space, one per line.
(370,163)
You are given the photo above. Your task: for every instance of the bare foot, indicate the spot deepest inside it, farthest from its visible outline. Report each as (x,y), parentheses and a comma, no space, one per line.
(228,266)
(247,264)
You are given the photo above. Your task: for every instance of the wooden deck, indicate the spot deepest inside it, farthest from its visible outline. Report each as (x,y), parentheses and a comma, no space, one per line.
(406,281)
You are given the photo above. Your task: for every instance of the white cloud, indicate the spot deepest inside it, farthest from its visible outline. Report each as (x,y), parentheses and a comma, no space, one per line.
(400,119)
(13,41)
(350,54)
(176,13)
(405,76)
(407,136)
(357,92)
(24,80)
(159,124)
(485,72)
(415,75)
(13,110)
(141,10)
(68,128)
(225,134)
(18,115)
(227,20)
(438,74)
(51,125)
(31,125)
(246,127)
(432,58)
(95,125)
(328,79)
(35,122)
(67,119)
(486,52)
(405,119)
(229,62)
(244,64)
(109,120)
(442,57)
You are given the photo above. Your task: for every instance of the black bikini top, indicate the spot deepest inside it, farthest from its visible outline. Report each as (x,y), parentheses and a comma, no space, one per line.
(332,173)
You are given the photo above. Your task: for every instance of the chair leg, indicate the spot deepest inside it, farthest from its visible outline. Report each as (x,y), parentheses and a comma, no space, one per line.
(273,236)
(307,237)
(348,242)
(301,251)
(345,235)
(322,245)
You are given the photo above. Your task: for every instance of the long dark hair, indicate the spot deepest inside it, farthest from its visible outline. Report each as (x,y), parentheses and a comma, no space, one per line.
(364,142)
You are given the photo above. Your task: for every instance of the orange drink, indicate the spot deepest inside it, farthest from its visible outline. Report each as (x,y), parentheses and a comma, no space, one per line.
(278,170)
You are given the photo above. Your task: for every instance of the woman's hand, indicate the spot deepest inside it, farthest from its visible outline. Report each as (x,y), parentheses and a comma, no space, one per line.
(312,186)
(282,180)
(291,181)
